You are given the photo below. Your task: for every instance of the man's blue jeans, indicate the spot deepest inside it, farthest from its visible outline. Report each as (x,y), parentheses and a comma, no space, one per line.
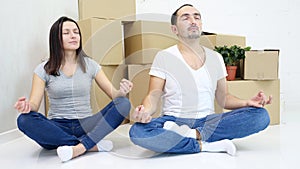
(52,133)
(234,124)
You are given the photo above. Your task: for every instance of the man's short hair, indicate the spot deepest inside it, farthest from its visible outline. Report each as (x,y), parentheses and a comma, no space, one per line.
(174,15)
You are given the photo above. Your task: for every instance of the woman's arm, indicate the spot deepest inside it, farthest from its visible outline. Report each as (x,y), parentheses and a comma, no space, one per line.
(36,96)
(104,83)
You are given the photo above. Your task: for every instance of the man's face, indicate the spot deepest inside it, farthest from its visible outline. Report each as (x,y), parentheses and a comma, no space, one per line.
(189,24)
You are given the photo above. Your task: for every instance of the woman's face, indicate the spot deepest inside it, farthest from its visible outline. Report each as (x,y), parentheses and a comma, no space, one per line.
(70,35)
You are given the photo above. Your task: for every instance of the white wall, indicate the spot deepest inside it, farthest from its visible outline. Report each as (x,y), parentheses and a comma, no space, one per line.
(266,24)
(24,35)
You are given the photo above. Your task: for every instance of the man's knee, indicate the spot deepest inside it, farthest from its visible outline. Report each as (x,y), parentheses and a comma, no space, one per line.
(134,130)
(262,118)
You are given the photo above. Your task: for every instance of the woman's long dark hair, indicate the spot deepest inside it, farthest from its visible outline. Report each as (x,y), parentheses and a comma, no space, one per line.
(57,49)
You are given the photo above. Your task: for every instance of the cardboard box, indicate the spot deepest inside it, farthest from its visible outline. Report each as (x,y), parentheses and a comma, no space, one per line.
(115,74)
(114,9)
(230,40)
(139,75)
(208,41)
(246,89)
(143,39)
(261,65)
(102,39)
(217,39)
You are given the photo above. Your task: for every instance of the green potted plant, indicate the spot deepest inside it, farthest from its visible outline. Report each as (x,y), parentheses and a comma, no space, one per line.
(232,56)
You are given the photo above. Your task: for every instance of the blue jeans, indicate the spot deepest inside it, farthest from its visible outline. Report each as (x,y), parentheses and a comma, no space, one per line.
(52,133)
(234,124)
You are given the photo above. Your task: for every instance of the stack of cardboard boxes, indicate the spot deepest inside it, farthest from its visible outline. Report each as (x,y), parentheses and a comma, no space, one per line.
(125,48)
(101,26)
(259,72)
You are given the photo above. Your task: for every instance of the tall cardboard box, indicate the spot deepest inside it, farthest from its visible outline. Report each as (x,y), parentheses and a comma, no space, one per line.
(102,40)
(143,39)
(114,9)
(246,89)
(139,75)
(261,65)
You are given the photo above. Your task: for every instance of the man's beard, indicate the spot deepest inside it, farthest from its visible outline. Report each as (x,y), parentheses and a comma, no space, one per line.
(195,35)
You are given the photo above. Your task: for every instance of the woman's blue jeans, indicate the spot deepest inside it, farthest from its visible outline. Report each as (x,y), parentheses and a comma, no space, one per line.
(52,133)
(234,124)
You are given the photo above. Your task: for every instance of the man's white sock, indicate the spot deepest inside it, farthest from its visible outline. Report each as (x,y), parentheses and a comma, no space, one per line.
(183,130)
(219,146)
(105,145)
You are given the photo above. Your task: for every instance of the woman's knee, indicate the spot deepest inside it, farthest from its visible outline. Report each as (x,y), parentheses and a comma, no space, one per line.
(25,119)
(123,105)
(22,120)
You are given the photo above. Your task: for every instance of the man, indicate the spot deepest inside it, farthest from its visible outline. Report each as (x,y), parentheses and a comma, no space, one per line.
(189,77)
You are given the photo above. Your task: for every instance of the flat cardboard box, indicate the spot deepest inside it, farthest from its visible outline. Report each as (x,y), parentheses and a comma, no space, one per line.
(261,65)
(102,39)
(208,41)
(143,39)
(230,40)
(139,75)
(246,89)
(219,39)
(114,9)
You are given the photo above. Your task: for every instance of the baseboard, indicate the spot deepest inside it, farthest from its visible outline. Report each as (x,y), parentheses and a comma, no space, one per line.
(10,135)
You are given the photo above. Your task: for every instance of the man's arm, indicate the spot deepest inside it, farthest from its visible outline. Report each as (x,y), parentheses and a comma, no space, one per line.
(228,101)
(155,91)
(149,105)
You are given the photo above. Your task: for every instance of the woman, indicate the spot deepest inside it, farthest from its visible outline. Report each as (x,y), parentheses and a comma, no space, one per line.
(67,77)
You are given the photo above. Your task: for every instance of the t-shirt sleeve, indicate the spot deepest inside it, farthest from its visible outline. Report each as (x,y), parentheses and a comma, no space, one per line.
(41,72)
(92,67)
(158,68)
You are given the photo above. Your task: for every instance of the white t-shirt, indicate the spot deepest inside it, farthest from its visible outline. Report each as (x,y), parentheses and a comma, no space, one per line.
(188,93)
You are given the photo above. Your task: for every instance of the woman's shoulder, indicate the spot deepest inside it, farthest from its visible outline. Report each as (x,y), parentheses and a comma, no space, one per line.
(89,60)
(42,64)
(91,65)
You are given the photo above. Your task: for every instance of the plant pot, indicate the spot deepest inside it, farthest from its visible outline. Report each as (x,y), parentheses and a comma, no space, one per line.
(231,71)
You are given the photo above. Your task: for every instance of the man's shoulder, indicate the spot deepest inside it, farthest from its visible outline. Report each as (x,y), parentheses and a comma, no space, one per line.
(170,48)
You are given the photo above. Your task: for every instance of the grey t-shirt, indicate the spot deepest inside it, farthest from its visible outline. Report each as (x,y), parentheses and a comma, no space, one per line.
(69,97)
